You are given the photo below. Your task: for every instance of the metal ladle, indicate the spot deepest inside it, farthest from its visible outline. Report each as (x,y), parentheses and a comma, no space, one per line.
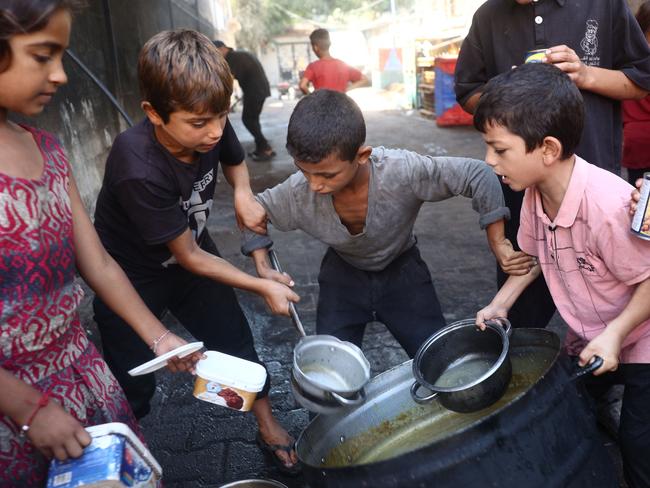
(327,373)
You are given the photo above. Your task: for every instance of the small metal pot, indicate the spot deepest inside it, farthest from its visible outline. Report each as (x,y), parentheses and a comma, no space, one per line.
(327,373)
(330,370)
(465,368)
(254,484)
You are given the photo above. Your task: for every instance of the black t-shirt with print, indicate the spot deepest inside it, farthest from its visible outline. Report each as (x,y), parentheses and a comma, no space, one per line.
(603,33)
(148,198)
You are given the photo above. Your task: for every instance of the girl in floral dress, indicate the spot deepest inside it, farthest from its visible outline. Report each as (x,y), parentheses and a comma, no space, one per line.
(53,382)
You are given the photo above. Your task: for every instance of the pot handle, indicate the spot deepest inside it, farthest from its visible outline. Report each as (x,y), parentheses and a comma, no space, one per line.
(275,264)
(419,399)
(358,399)
(503,322)
(589,368)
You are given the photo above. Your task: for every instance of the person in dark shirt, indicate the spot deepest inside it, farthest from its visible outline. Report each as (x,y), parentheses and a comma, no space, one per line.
(250,75)
(599,44)
(151,216)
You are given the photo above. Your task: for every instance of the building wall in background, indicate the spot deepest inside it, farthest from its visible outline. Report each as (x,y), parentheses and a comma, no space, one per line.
(107,36)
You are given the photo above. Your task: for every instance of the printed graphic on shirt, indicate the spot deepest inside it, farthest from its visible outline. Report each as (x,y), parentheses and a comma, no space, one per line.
(197,208)
(586,265)
(589,44)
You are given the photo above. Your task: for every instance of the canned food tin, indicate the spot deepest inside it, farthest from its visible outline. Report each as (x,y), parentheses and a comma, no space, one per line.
(535,56)
(642,209)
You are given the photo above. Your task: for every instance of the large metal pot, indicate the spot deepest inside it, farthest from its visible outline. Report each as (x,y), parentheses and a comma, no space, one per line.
(540,434)
(465,368)
(328,374)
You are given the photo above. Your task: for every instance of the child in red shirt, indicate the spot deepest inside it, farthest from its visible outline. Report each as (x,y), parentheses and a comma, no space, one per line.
(329,72)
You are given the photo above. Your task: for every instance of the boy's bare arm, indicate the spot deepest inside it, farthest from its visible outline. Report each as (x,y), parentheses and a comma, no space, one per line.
(606,82)
(506,296)
(359,83)
(608,343)
(248,212)
(304,85)
(197,261)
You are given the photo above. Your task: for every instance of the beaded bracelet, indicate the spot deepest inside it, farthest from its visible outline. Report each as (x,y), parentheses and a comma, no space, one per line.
(155,343)
(42,402)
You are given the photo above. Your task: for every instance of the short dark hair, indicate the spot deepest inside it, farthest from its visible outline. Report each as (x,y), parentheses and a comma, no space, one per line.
(320,38)
(324,123)
(183,70)
(533,101)
(643,16)
(26,16)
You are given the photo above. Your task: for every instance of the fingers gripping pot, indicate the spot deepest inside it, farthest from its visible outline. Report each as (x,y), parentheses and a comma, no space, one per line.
(327,374)
(465,368)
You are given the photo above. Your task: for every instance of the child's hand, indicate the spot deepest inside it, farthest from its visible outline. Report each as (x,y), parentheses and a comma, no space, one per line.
(188,363)
(634,200)
(249,212)
(271,274)
(492,311)
(278,296)
(512,262)
(56,433)
(607,345)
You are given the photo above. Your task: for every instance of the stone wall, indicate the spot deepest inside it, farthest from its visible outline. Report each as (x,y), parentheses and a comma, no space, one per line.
(107,36)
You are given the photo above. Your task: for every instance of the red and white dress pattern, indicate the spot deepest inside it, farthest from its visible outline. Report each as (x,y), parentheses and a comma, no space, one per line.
(41,339)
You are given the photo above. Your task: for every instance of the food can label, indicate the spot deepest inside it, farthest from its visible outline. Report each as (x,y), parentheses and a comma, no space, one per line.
(535,56)
(642,209)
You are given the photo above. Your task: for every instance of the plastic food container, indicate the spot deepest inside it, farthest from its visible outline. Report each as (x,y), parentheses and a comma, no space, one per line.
(228,381)
(115,458)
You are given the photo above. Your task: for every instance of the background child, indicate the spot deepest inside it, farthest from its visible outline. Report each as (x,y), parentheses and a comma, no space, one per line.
(363,203)
(636,118)
(53,380)
(574,219)
(329,72)
(152,211)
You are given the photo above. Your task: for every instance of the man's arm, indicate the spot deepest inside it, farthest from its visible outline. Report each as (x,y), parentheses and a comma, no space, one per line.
(606,82)
(472,102)
(199,262)
(511,262)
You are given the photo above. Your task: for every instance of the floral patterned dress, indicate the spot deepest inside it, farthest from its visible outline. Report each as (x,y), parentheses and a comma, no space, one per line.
(41,339)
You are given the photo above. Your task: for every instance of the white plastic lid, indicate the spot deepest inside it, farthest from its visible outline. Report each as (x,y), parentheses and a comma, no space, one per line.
(124,430)
(232,371)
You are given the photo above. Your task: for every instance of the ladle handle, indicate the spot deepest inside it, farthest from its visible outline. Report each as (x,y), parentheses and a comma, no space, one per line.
(275,264)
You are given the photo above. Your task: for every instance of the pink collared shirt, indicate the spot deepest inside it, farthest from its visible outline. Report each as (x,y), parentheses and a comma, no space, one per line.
(590,260)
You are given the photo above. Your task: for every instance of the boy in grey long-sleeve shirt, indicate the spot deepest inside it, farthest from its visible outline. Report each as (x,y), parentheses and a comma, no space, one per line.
(363,203)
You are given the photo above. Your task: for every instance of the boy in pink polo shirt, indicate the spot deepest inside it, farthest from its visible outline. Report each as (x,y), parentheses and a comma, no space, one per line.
(575,221)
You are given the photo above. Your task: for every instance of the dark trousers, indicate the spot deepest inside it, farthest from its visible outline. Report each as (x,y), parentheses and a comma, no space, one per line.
(402,297)
(250,116)
(634,430)
(535,306)
(635,174)
(207,309)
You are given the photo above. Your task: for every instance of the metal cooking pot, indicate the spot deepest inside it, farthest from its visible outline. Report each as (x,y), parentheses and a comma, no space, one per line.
(327,374)
(465,368)
(261,483)
(541,434)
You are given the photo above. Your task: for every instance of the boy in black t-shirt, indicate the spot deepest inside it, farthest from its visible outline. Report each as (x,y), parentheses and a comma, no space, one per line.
(152,211)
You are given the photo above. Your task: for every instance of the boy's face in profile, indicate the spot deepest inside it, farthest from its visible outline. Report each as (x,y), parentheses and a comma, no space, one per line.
(188,132)
(506,154)
(332,174)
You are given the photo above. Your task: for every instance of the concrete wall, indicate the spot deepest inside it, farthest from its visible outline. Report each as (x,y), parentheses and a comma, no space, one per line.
(107,36)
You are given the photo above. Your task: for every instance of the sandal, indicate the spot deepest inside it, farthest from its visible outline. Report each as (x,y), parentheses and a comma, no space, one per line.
(262,156)
(269,450)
